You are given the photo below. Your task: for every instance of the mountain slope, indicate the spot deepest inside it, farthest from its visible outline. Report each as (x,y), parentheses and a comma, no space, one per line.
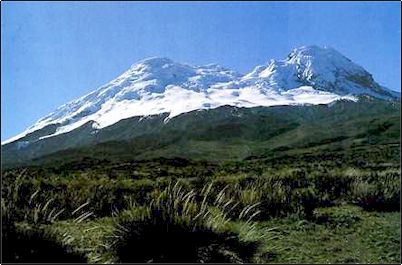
(221,134)
(316,96)
(310,75)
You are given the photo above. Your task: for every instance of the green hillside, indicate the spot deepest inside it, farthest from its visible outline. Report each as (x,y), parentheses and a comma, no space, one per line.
(224,134)
(313,184)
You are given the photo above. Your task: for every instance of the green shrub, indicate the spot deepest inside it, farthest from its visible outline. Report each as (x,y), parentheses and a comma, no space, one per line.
(176,227)
(32,244)
(384,195)
(68,193)
(275,200)
(305,200)
(36,246)
(331,186)
(339,216)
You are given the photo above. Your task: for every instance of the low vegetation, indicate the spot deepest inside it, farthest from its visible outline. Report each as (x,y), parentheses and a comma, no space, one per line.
(251,211)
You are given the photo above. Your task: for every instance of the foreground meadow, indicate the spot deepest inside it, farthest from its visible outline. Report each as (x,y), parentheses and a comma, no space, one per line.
(177,210)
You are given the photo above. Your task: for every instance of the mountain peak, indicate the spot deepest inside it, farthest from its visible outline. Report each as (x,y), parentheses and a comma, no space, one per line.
(323,68)
(152,63)
(155,60)
(325,54)
(313,50)
(309,75)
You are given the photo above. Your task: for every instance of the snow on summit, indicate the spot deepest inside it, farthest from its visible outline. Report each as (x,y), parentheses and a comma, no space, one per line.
(309,75)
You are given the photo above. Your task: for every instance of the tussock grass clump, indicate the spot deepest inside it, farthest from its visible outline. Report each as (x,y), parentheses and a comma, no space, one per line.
(71,191)
(33,244)
(179,226)
(306,201)
(378,191)
(298,191)
(24,236)
(380,196)
(273,197)
(338,216)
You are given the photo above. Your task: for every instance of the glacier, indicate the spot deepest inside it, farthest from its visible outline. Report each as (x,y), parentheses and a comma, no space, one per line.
(309,75)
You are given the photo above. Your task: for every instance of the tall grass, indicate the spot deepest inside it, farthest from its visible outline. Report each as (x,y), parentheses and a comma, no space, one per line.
(381,193)
(23,235)
(200,212)
(182,226)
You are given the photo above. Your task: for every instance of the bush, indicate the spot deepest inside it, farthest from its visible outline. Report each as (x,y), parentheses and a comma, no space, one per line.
(305,200)
(380,196)
(35,246)
(337,216)
(275,200)
(332,186)
(32,244)
(70,192)
(177,227)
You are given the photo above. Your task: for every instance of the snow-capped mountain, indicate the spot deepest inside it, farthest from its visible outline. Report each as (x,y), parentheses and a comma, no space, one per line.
(322,68)
(309,75)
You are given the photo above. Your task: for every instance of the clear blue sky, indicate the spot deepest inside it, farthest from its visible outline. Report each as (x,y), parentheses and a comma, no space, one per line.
(54,52)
